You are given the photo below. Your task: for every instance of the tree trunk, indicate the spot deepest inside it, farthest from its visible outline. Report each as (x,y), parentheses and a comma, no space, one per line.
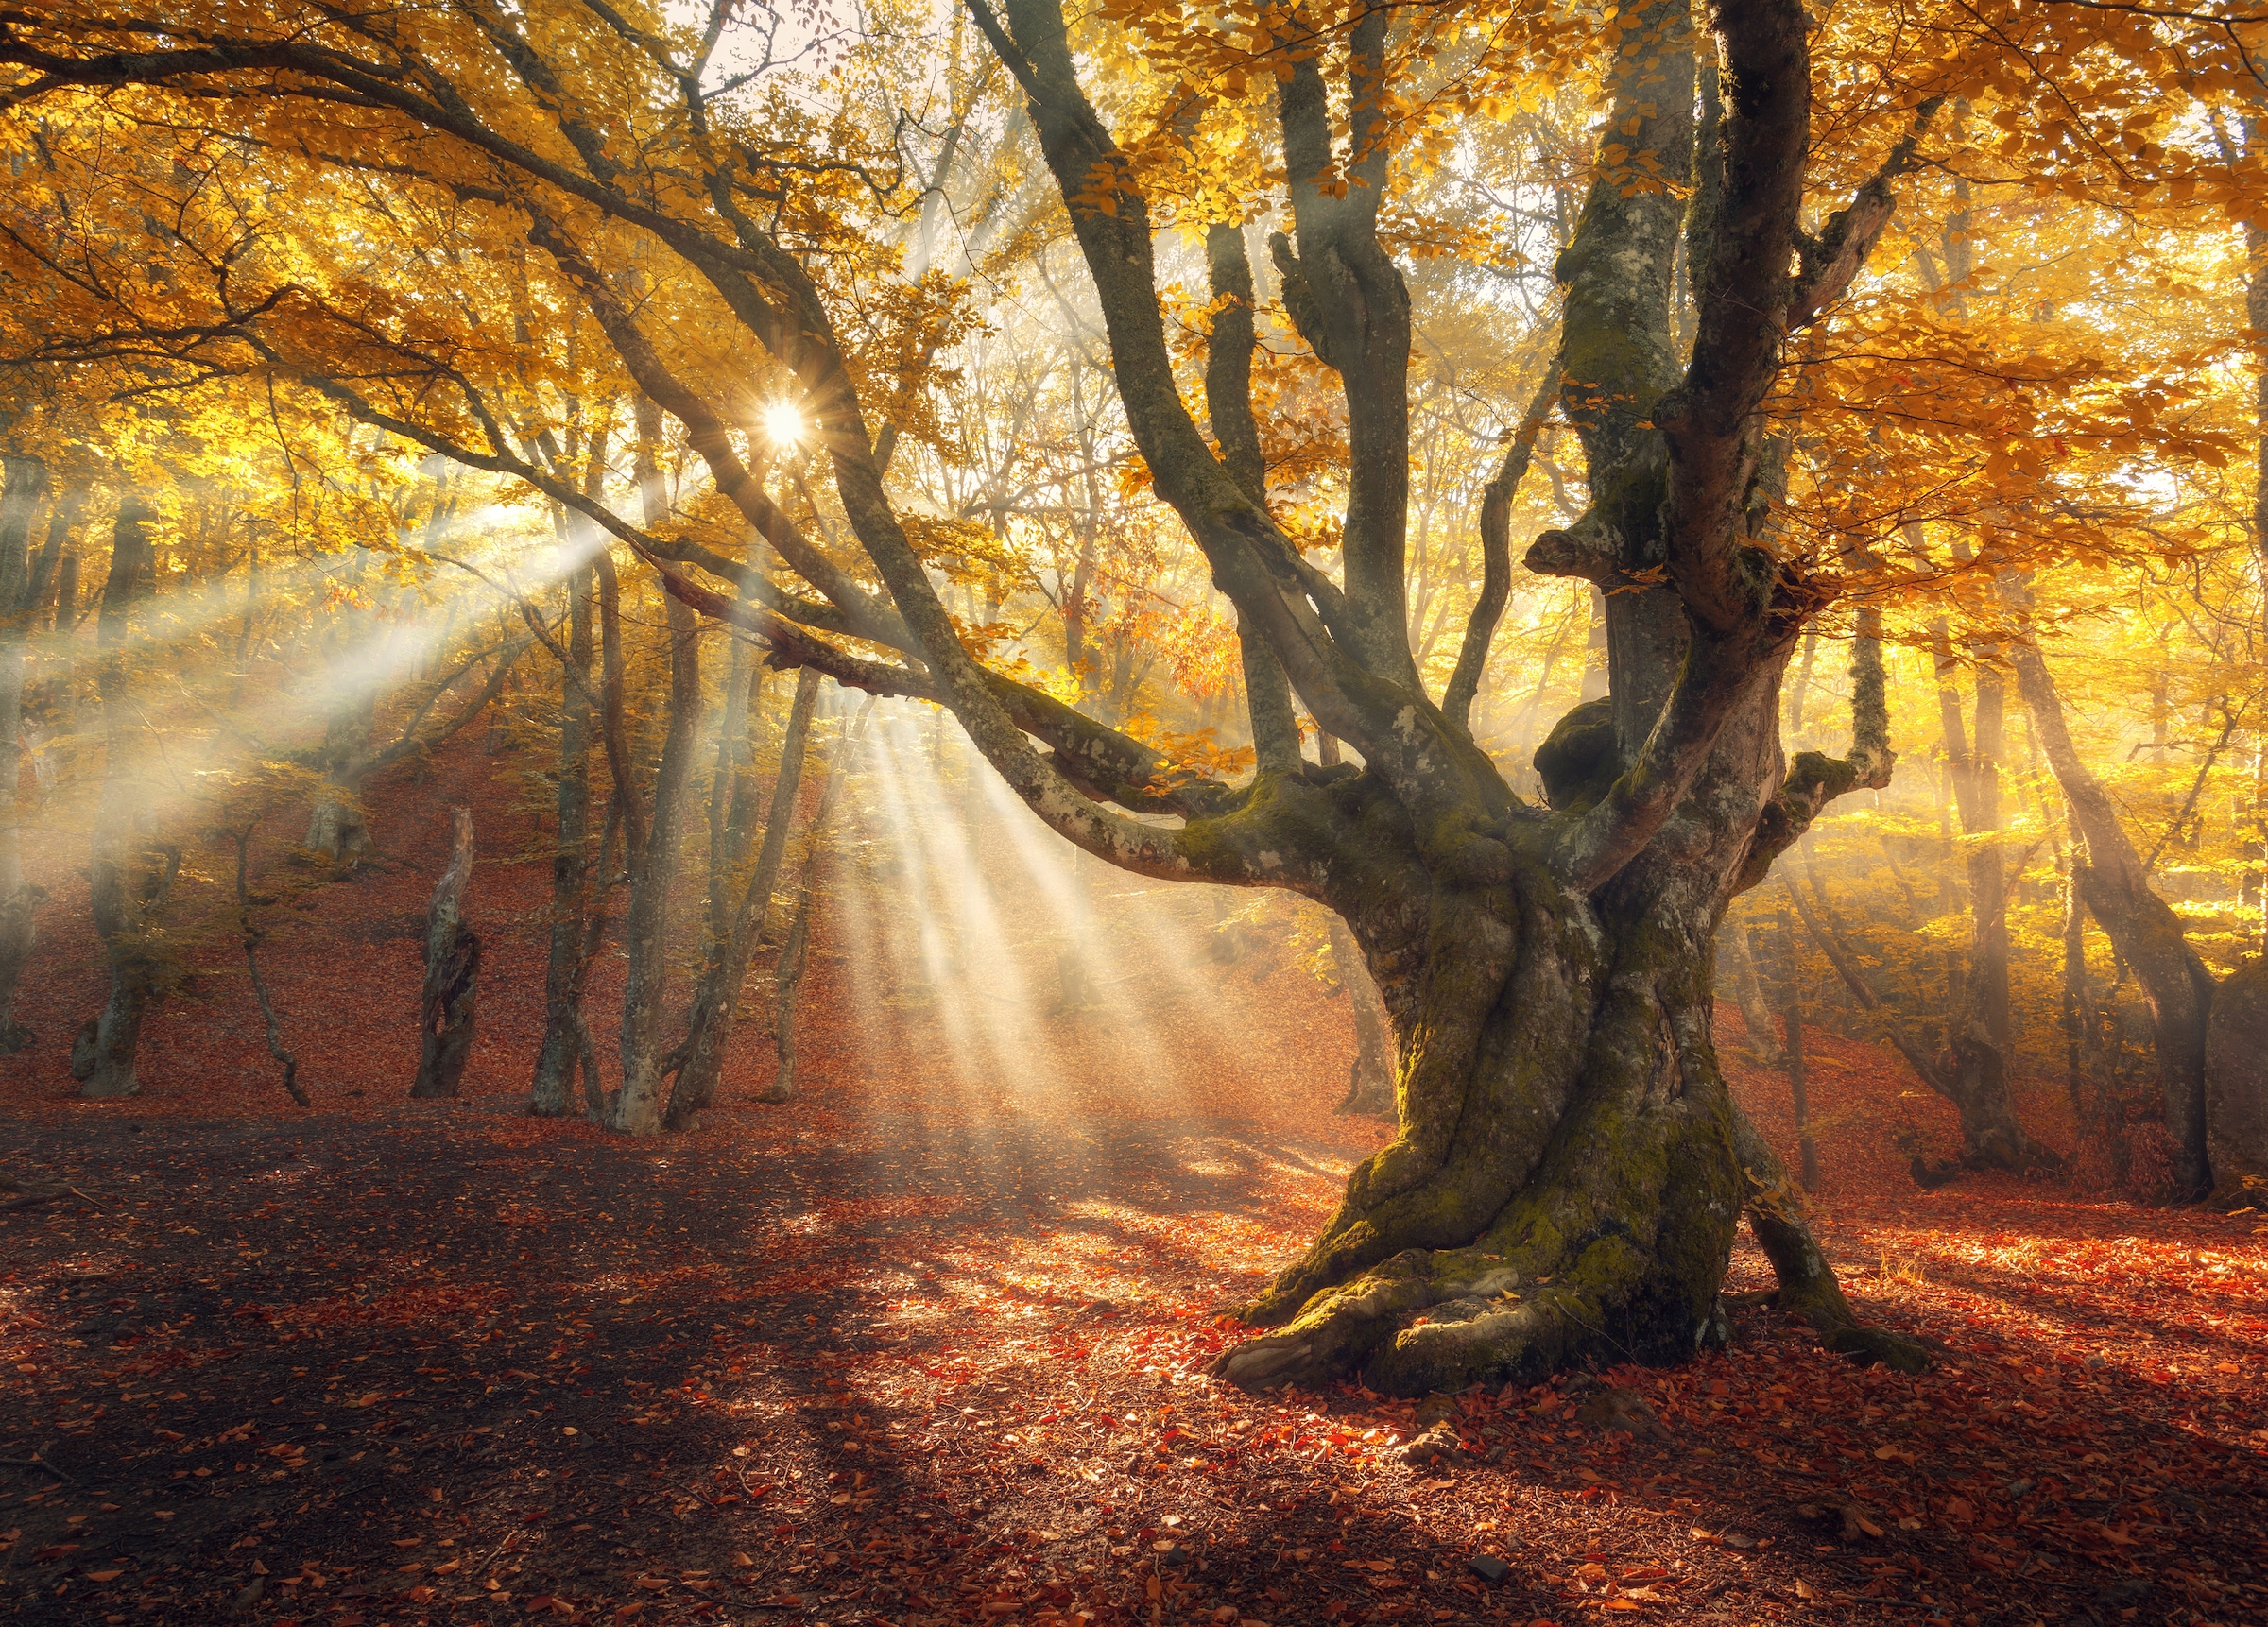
(1756,1016)
(452,972)
(132,874)
(637,1105)
(2235,1089)
(564,1035)
(1989,1016)
(26,483)
(1969,1074)
(716,1005)
(1791,1020)
(794,954)
(1564,1119)
(272,1028)
(2141,927)
(1370,1081)
(731,789)
(1798,1089)
(338,826)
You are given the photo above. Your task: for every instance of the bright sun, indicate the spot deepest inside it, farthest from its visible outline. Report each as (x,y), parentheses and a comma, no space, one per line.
(782,423)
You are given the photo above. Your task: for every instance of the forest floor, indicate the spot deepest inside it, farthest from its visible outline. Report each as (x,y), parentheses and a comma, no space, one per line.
(929,1345)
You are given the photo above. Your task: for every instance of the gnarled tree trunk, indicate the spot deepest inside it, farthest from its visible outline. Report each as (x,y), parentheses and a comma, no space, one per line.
(1546,969)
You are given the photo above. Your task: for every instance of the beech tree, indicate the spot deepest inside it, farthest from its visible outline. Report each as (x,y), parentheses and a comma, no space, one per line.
(1569,1169)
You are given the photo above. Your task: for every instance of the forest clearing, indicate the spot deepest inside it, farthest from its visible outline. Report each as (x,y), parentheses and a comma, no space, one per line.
(1273,812)
(929,1343)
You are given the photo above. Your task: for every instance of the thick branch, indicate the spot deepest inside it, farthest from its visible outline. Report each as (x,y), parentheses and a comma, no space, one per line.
(1228,403)
(1835,257)
(1814,779)
(1741,295)
(1496,552)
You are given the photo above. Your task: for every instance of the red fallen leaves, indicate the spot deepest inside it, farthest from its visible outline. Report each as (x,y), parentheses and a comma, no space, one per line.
(930,1299)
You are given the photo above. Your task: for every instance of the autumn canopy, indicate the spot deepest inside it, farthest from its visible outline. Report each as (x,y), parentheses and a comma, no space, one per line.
(1578,499)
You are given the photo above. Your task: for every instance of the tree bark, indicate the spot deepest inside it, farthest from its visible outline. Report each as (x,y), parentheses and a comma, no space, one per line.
(561,1050)
(795,953)
(1370,1081)
(716,1004)
(636,1108)
(446,1003)
(1756,1016)
(133,872)
(272,1028)
(21,586)
(2141,927)
(338,826)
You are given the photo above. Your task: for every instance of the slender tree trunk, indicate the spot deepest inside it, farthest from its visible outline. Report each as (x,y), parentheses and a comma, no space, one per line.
(2141,927)
(794,954)
(716,1004)
(1987,877)
(452,972)
(1798,1090)
(272,1028)
(25,484)
(131,875)
(564,1028)
(1802,690)
(339,828)
(638,1105)
(1756,1016)
(732,791)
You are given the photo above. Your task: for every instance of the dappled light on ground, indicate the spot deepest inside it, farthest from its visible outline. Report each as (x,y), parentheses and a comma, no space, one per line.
(929,1345)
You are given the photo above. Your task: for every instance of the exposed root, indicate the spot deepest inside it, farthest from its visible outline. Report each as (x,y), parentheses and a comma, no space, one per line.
(1440,1320)
(1807,1286)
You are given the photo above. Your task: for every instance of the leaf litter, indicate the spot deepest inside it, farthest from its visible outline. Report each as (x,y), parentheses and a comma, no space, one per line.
(927,1349)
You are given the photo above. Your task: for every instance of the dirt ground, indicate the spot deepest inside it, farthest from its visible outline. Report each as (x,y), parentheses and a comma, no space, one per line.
(929,1345)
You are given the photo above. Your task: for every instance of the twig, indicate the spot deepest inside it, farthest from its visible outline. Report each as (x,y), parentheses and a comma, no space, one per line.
(36,1462)
(29,1192)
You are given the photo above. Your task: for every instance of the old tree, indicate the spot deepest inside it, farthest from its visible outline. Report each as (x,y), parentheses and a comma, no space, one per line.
(1568,1169)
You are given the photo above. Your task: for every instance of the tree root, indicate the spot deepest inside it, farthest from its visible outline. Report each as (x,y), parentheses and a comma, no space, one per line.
(1807,1286)
(1426,1320)
(1440,1320)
